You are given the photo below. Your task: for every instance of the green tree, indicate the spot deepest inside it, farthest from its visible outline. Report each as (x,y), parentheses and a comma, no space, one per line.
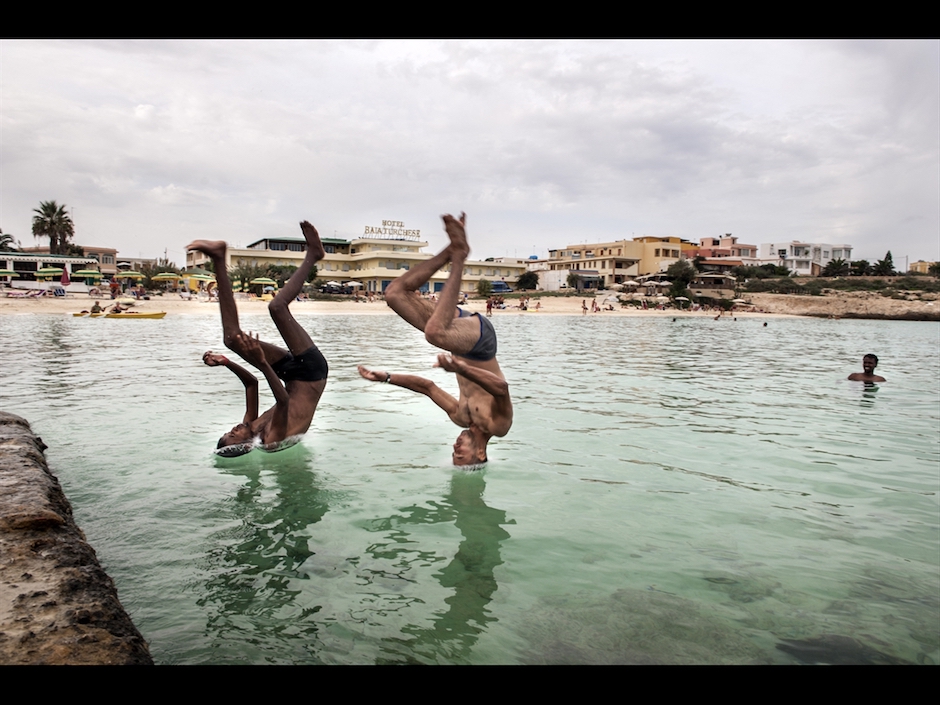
(484,289)
(53,222)
(884,267)
(861,267)
(244,273)
(574,281)
(836,268)
(151,270)
(681,274)
(7,243)
(934,269)
(528,280)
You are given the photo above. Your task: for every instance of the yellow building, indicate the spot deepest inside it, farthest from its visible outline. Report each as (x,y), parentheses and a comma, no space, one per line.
(620,260)
(373,261)
(921,267)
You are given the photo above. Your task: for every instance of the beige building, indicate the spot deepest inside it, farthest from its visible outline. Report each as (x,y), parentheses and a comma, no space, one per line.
(373,261)
(618,261)
(921,267)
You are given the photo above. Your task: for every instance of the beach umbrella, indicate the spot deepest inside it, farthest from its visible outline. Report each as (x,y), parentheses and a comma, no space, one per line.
(129,275)
(49,272)
(166,277)
(353,284)
(8,273)
(87,274)
(333,284)
(263,280)
(269,288)
(681,298)
(65,281)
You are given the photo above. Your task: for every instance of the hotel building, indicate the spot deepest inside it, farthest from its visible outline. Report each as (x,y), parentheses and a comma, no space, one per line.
(374,260)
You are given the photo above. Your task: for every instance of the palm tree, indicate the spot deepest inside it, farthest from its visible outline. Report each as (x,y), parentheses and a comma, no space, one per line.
(53,222)
(884,267)
(7,243)
(837,268)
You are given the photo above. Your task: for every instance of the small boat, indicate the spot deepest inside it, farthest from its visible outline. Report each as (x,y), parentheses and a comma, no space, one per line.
(135,314)
(88,315)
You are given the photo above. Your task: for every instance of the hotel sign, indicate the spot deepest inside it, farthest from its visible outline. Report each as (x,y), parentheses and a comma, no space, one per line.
(392,230)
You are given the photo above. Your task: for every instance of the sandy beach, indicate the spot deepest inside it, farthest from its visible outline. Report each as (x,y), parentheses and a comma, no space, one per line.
(840,304)
(550,305)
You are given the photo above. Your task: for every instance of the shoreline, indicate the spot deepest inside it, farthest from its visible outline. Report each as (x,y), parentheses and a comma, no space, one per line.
(866,305)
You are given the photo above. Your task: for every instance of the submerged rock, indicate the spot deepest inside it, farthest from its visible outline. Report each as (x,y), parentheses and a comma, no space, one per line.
(836,650)
(633,627)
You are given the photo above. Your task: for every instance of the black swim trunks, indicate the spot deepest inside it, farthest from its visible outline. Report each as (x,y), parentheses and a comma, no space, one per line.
(309,366)
(485,349)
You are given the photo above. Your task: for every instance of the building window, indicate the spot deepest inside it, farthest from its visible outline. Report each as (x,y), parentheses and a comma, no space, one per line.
(107,259)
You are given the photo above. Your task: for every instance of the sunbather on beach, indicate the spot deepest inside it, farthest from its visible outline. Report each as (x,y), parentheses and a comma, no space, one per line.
(484,408)
(302,368)
(869,363)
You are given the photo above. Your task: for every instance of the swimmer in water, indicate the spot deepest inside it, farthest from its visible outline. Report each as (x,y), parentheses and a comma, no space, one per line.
(303,368)
(484,408)
(869,363)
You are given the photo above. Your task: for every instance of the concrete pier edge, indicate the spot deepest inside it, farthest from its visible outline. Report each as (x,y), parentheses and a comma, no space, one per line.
(57,605)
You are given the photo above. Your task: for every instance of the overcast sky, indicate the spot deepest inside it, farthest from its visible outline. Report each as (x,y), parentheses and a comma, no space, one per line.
(543,143)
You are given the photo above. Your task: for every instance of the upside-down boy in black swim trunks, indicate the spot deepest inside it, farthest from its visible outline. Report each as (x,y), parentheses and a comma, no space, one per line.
(303,369)
(484,407)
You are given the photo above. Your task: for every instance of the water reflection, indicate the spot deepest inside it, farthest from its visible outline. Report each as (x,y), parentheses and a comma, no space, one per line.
(469,574)
(252,595)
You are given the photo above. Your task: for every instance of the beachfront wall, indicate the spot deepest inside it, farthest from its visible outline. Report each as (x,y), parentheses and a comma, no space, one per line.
(373,262)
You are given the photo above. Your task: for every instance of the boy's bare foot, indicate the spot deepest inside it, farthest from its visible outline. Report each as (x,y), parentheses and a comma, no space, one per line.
(457,232)
(214,359)
(313,240)
(213,248)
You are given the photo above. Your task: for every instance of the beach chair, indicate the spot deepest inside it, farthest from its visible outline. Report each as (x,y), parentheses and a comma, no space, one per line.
(58,291)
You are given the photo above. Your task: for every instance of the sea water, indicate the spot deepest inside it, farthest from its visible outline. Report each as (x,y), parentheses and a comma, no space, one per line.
(689,491)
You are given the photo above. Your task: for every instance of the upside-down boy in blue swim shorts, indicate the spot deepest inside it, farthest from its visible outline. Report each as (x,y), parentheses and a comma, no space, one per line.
(484,408)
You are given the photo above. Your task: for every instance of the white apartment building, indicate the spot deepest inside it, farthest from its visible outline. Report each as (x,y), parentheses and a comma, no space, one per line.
(803,258)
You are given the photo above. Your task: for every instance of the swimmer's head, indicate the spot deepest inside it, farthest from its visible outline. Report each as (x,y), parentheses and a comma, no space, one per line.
(238,441)
(469,450)
(869,363)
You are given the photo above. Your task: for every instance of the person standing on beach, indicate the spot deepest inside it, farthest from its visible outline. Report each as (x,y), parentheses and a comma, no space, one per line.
(484,408)
(869,363)
(302,368)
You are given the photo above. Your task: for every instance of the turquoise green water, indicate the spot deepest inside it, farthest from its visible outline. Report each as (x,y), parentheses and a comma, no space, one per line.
(671,492)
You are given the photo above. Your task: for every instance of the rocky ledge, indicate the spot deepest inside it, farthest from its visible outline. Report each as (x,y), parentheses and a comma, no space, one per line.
(57,605)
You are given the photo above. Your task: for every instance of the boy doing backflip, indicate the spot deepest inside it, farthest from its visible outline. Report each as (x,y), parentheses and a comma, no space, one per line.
(302,368)
(484,408)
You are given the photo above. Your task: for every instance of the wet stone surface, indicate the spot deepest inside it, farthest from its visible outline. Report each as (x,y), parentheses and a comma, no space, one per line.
(57,605)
